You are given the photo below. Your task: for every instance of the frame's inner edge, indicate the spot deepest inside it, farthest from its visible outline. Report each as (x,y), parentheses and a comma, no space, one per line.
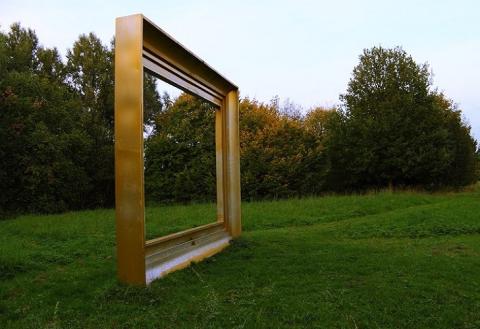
(172,75)
(181,234)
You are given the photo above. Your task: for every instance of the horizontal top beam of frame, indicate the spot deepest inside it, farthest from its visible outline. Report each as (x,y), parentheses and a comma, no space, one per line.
(169,60)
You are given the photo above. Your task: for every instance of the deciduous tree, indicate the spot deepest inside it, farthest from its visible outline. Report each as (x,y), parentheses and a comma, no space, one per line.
(391,128)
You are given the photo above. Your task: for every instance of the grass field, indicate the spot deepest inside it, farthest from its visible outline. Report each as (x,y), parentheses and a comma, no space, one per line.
(385,260)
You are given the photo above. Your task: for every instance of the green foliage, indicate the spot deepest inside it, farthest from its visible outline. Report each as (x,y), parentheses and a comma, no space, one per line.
(180,154)
(56,124)
(21,47)
(90,74)
(153,103)
(44,146)
(56,127)
(461,170)
(281,153)
(387,260)
(394,130)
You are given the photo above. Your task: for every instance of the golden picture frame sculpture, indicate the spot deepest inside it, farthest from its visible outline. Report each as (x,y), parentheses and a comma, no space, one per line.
(142,46)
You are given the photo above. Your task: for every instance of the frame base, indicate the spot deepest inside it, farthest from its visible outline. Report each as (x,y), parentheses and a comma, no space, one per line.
(177,251)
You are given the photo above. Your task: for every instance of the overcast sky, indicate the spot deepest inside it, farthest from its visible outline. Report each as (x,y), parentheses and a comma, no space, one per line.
(302,50)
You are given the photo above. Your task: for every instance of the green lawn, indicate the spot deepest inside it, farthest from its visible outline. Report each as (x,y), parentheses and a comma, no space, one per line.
(386,260)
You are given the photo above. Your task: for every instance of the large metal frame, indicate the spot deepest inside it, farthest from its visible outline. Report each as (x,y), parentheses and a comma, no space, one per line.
(141,45)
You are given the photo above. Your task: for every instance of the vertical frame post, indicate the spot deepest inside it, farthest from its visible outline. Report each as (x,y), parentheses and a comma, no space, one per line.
(129,187)
(219,163)
(232,164)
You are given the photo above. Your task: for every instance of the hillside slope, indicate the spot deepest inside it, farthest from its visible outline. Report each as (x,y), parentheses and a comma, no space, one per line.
(386,260)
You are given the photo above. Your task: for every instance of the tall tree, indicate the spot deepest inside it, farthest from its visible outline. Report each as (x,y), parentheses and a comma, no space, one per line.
(21,46)
(390,129)
(89,71)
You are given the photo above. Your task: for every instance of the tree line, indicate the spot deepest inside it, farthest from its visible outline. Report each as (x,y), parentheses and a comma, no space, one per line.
(392,128)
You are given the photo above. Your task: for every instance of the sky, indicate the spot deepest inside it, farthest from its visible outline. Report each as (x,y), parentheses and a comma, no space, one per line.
(303,51)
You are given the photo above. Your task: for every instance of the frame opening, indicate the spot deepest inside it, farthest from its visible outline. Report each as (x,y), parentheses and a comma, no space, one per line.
(179,159)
